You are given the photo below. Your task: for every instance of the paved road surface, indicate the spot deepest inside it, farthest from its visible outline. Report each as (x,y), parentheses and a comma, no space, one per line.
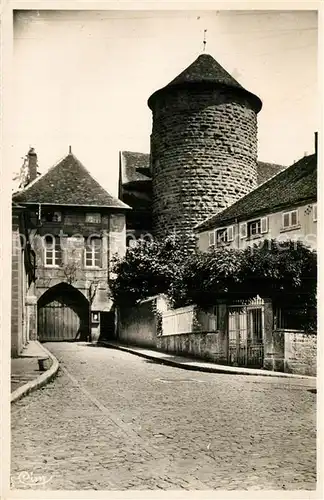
(115,421)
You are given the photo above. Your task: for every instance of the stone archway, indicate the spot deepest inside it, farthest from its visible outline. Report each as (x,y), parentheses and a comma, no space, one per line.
(63,314)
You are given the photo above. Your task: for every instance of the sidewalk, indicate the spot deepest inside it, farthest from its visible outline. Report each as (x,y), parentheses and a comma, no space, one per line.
(25,373)
(195,364)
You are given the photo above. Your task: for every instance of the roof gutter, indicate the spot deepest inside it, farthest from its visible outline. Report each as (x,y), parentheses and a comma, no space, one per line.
(125,207)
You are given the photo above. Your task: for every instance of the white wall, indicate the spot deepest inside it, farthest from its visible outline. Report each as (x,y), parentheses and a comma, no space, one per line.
(306,231)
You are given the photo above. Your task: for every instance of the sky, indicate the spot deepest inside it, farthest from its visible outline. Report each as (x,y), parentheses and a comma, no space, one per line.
(82,78)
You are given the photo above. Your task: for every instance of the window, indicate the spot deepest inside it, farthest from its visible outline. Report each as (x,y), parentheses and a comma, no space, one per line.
(93,218)
(224,235)
(93,252)
(315,212)
(254,227)
(52,251)
(289,219)
(51,216)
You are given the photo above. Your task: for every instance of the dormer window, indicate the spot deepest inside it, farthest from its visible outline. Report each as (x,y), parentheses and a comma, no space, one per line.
(51,216)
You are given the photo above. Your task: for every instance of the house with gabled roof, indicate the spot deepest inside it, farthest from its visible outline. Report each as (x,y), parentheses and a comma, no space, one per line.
(76,227)
(284,207)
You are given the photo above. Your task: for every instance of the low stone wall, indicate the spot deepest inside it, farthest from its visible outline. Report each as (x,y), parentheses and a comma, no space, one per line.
(300,353)
(209,345)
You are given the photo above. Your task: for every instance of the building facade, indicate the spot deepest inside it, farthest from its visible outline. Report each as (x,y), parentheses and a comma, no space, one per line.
(284,207)
(23,298)
(77,228)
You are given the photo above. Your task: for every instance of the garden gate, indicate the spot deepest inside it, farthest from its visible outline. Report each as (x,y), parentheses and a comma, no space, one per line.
(246,333)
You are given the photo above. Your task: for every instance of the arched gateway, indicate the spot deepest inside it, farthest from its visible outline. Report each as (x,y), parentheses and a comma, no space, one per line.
(63,314)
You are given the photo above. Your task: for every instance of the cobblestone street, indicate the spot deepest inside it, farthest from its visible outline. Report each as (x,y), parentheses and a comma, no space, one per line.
(114,421)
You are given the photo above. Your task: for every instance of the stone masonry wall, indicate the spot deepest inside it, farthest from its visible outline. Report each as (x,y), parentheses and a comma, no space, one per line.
(113,240)
(17,305)
(300,353)
(204,156)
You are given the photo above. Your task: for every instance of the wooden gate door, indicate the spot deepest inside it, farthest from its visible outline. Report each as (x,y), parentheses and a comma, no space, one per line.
(63,314)
(245,334)
(57,322)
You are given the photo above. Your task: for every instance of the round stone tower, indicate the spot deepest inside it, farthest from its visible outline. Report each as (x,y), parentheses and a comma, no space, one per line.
(203,146)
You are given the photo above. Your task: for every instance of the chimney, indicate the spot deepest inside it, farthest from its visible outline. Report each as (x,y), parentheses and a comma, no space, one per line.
(316,134)
(32,165)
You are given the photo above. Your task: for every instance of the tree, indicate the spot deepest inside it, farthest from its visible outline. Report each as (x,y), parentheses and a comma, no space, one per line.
(214,275)
(148,269)
(285,273)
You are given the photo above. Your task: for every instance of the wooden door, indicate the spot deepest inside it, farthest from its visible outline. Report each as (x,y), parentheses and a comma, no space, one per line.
(58,321)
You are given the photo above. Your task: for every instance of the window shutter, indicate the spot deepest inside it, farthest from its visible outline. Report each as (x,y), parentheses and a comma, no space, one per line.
(315,212)
(285,220)
(294,218)
(211,238)
(264,225)
(230,233)
(243,230)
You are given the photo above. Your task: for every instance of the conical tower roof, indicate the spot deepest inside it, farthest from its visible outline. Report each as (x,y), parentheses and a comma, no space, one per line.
(205,70)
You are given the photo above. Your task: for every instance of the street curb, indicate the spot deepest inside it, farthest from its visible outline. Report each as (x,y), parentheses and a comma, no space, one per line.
(217,369)
(38,382)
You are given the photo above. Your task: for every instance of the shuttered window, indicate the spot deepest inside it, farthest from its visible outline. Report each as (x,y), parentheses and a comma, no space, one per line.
(254,227)
(290,219)
(224,235)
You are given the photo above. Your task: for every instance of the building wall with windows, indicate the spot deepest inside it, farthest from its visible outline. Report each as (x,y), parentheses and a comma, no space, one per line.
(77,246)
(295,222)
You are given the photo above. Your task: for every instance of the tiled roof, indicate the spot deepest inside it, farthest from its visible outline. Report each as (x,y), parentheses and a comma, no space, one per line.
(267,170)
(132,164)
(68,183)
(295,184)
(206,70)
